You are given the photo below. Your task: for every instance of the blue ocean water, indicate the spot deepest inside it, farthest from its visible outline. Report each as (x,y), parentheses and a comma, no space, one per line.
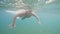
(49,16)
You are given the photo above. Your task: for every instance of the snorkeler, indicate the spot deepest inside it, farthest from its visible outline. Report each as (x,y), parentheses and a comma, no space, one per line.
(24,14)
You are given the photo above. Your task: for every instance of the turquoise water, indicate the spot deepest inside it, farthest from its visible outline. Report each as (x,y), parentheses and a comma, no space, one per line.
(48,14)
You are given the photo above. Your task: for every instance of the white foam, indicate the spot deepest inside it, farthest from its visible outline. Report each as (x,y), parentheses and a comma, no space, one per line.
(49,1)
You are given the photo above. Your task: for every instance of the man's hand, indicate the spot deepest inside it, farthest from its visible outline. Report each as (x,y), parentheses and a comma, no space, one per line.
(11,25)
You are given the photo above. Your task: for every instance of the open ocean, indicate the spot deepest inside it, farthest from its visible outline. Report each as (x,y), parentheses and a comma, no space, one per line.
(48,14)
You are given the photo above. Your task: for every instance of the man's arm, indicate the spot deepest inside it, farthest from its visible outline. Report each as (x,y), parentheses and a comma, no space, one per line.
(13,22)
(34,14)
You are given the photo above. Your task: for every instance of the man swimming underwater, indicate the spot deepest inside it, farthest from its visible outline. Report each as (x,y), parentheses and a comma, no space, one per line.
(24,14)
